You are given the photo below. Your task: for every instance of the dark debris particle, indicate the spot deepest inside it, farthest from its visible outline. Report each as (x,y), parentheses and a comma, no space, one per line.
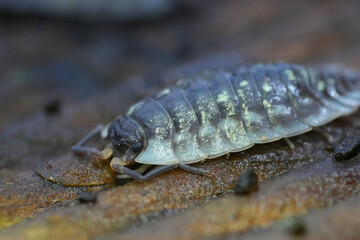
(295,226)
(86,197)
(347,149)
(329,149)
(52,107)
(247,183)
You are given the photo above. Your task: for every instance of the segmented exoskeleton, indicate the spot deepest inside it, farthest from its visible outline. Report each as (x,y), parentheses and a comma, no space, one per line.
(218,112)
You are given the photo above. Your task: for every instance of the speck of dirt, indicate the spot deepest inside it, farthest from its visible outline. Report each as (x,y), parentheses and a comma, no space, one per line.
(87,197)
(52,107)
(347,149)
(295,226)
(247,183)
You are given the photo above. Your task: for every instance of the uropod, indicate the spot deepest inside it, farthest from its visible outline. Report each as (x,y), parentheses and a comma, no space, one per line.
(222,111)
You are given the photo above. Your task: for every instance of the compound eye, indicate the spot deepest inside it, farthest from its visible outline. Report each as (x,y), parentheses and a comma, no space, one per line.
(137,147)
(122,148)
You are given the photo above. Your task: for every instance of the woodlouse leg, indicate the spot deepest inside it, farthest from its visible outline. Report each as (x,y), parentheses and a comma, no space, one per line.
(289,143)
(141,170)
(156,171)
(193,169)
(138,176)
(326,135)
(97,155)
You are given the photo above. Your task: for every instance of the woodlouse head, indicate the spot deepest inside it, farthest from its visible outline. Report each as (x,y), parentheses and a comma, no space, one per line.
(128,139)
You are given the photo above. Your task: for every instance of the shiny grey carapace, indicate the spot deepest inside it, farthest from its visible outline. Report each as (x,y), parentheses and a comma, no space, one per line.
(218,112)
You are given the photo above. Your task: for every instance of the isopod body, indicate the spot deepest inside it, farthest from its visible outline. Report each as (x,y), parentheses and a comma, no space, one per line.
(218,112)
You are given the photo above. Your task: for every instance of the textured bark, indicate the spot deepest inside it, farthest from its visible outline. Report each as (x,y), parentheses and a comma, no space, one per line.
(92,71)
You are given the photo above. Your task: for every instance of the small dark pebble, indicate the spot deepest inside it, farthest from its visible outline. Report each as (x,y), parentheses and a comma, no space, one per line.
(86,197)
(295,226)
(52,107)
(329,149)
(247,183)
(347,149)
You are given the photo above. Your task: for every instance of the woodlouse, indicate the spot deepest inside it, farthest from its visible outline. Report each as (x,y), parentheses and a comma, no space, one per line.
(218,112)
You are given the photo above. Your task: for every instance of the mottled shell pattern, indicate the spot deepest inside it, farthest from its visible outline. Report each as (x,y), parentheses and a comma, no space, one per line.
(230,110)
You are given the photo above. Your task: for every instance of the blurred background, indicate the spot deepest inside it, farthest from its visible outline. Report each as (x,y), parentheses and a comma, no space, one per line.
(57,52)
(68,65)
